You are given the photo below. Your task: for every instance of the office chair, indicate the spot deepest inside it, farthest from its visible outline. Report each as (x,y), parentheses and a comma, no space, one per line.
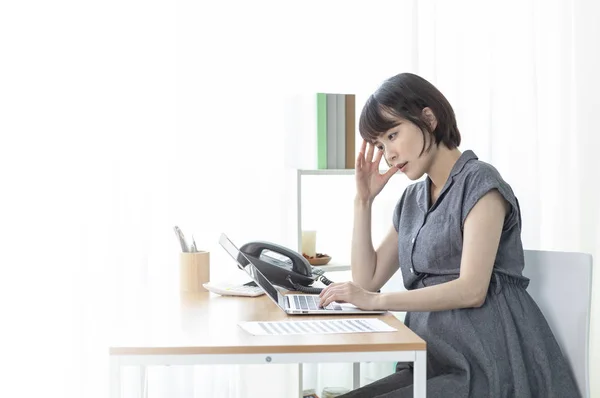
(561,285)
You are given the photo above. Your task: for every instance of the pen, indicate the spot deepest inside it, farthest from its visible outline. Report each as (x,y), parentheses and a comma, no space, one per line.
(182,242)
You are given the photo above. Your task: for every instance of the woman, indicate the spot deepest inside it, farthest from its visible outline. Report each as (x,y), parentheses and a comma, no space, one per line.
(456,238)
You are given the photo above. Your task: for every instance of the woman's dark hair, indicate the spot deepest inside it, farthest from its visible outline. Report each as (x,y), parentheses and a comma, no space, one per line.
(405,96)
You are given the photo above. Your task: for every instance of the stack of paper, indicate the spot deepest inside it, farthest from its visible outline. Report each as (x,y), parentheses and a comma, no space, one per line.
(316,327)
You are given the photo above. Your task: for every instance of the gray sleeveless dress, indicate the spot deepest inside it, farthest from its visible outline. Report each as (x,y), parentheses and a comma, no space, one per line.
(505,348)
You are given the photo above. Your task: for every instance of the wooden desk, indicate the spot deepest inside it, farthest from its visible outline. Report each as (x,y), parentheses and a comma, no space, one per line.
(202,328)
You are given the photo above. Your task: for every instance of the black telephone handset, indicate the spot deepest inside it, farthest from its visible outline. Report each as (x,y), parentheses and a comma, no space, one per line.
(282,266)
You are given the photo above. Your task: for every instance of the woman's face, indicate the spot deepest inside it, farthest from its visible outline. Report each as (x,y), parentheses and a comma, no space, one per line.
(403,144)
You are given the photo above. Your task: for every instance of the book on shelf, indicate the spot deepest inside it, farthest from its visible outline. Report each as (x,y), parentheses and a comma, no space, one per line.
(336,129)
(332,131)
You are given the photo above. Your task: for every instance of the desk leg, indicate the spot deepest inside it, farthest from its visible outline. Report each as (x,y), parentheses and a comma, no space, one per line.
(355,375)
(115,377)
(301,380)
(143,381)
(420,375)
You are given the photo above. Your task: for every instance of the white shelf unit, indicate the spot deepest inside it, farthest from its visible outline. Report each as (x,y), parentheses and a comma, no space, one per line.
(332,266)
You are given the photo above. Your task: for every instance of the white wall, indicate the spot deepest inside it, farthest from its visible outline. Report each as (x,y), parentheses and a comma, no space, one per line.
(121,119)
(587,64)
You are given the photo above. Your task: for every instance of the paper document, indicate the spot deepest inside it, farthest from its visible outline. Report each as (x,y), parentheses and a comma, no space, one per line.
(316,327)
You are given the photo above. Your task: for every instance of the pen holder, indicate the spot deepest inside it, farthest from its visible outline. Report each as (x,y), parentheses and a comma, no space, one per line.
(194,270)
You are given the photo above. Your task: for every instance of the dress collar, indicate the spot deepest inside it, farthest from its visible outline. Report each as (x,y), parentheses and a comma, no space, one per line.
(425,192)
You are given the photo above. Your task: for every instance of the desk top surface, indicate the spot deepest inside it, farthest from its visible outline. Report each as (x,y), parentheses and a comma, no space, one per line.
(205,323)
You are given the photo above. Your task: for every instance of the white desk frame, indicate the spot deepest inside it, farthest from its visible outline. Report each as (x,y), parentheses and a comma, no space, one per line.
(418,357)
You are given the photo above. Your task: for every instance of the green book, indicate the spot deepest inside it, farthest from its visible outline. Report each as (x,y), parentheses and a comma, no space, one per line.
(321,130)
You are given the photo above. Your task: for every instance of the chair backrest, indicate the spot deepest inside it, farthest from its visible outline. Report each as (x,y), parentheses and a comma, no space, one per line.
(561,285)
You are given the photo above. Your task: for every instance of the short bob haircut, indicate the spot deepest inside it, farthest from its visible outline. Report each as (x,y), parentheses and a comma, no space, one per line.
(404,96)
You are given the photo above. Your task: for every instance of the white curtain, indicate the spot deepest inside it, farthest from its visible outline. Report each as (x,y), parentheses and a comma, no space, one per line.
(122,119)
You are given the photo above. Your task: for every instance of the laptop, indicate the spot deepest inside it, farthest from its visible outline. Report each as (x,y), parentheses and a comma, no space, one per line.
(292,304)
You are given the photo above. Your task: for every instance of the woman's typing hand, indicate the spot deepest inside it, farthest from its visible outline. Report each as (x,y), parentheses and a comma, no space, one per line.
(348,292)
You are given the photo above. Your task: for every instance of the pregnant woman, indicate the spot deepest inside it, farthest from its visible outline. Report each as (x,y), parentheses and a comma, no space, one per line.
(456,239)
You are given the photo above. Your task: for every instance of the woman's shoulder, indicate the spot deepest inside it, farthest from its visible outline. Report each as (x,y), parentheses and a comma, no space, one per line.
(476,179)
(480,170)
(476,174)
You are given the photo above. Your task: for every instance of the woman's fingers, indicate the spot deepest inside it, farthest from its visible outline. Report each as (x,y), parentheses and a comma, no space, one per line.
(324,291)
(328,287)
(363,148)
(378,158)
(328,299)
(327,296)
(333,293)
(361,155)
(392,170)
(360,159)
(369,157)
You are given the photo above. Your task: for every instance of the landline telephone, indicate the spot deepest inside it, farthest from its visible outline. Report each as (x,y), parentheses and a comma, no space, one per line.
(283,267)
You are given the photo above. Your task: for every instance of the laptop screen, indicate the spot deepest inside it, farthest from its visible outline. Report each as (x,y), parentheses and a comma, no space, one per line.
(250,268)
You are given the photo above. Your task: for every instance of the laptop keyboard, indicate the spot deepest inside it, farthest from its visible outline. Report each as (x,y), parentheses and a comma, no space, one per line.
(307,302)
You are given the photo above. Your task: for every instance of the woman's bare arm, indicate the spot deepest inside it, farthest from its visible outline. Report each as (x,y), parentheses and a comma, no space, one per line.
(371,269)
(481,237)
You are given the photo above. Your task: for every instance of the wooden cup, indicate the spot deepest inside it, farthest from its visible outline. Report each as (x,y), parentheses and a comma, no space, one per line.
(194,270)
